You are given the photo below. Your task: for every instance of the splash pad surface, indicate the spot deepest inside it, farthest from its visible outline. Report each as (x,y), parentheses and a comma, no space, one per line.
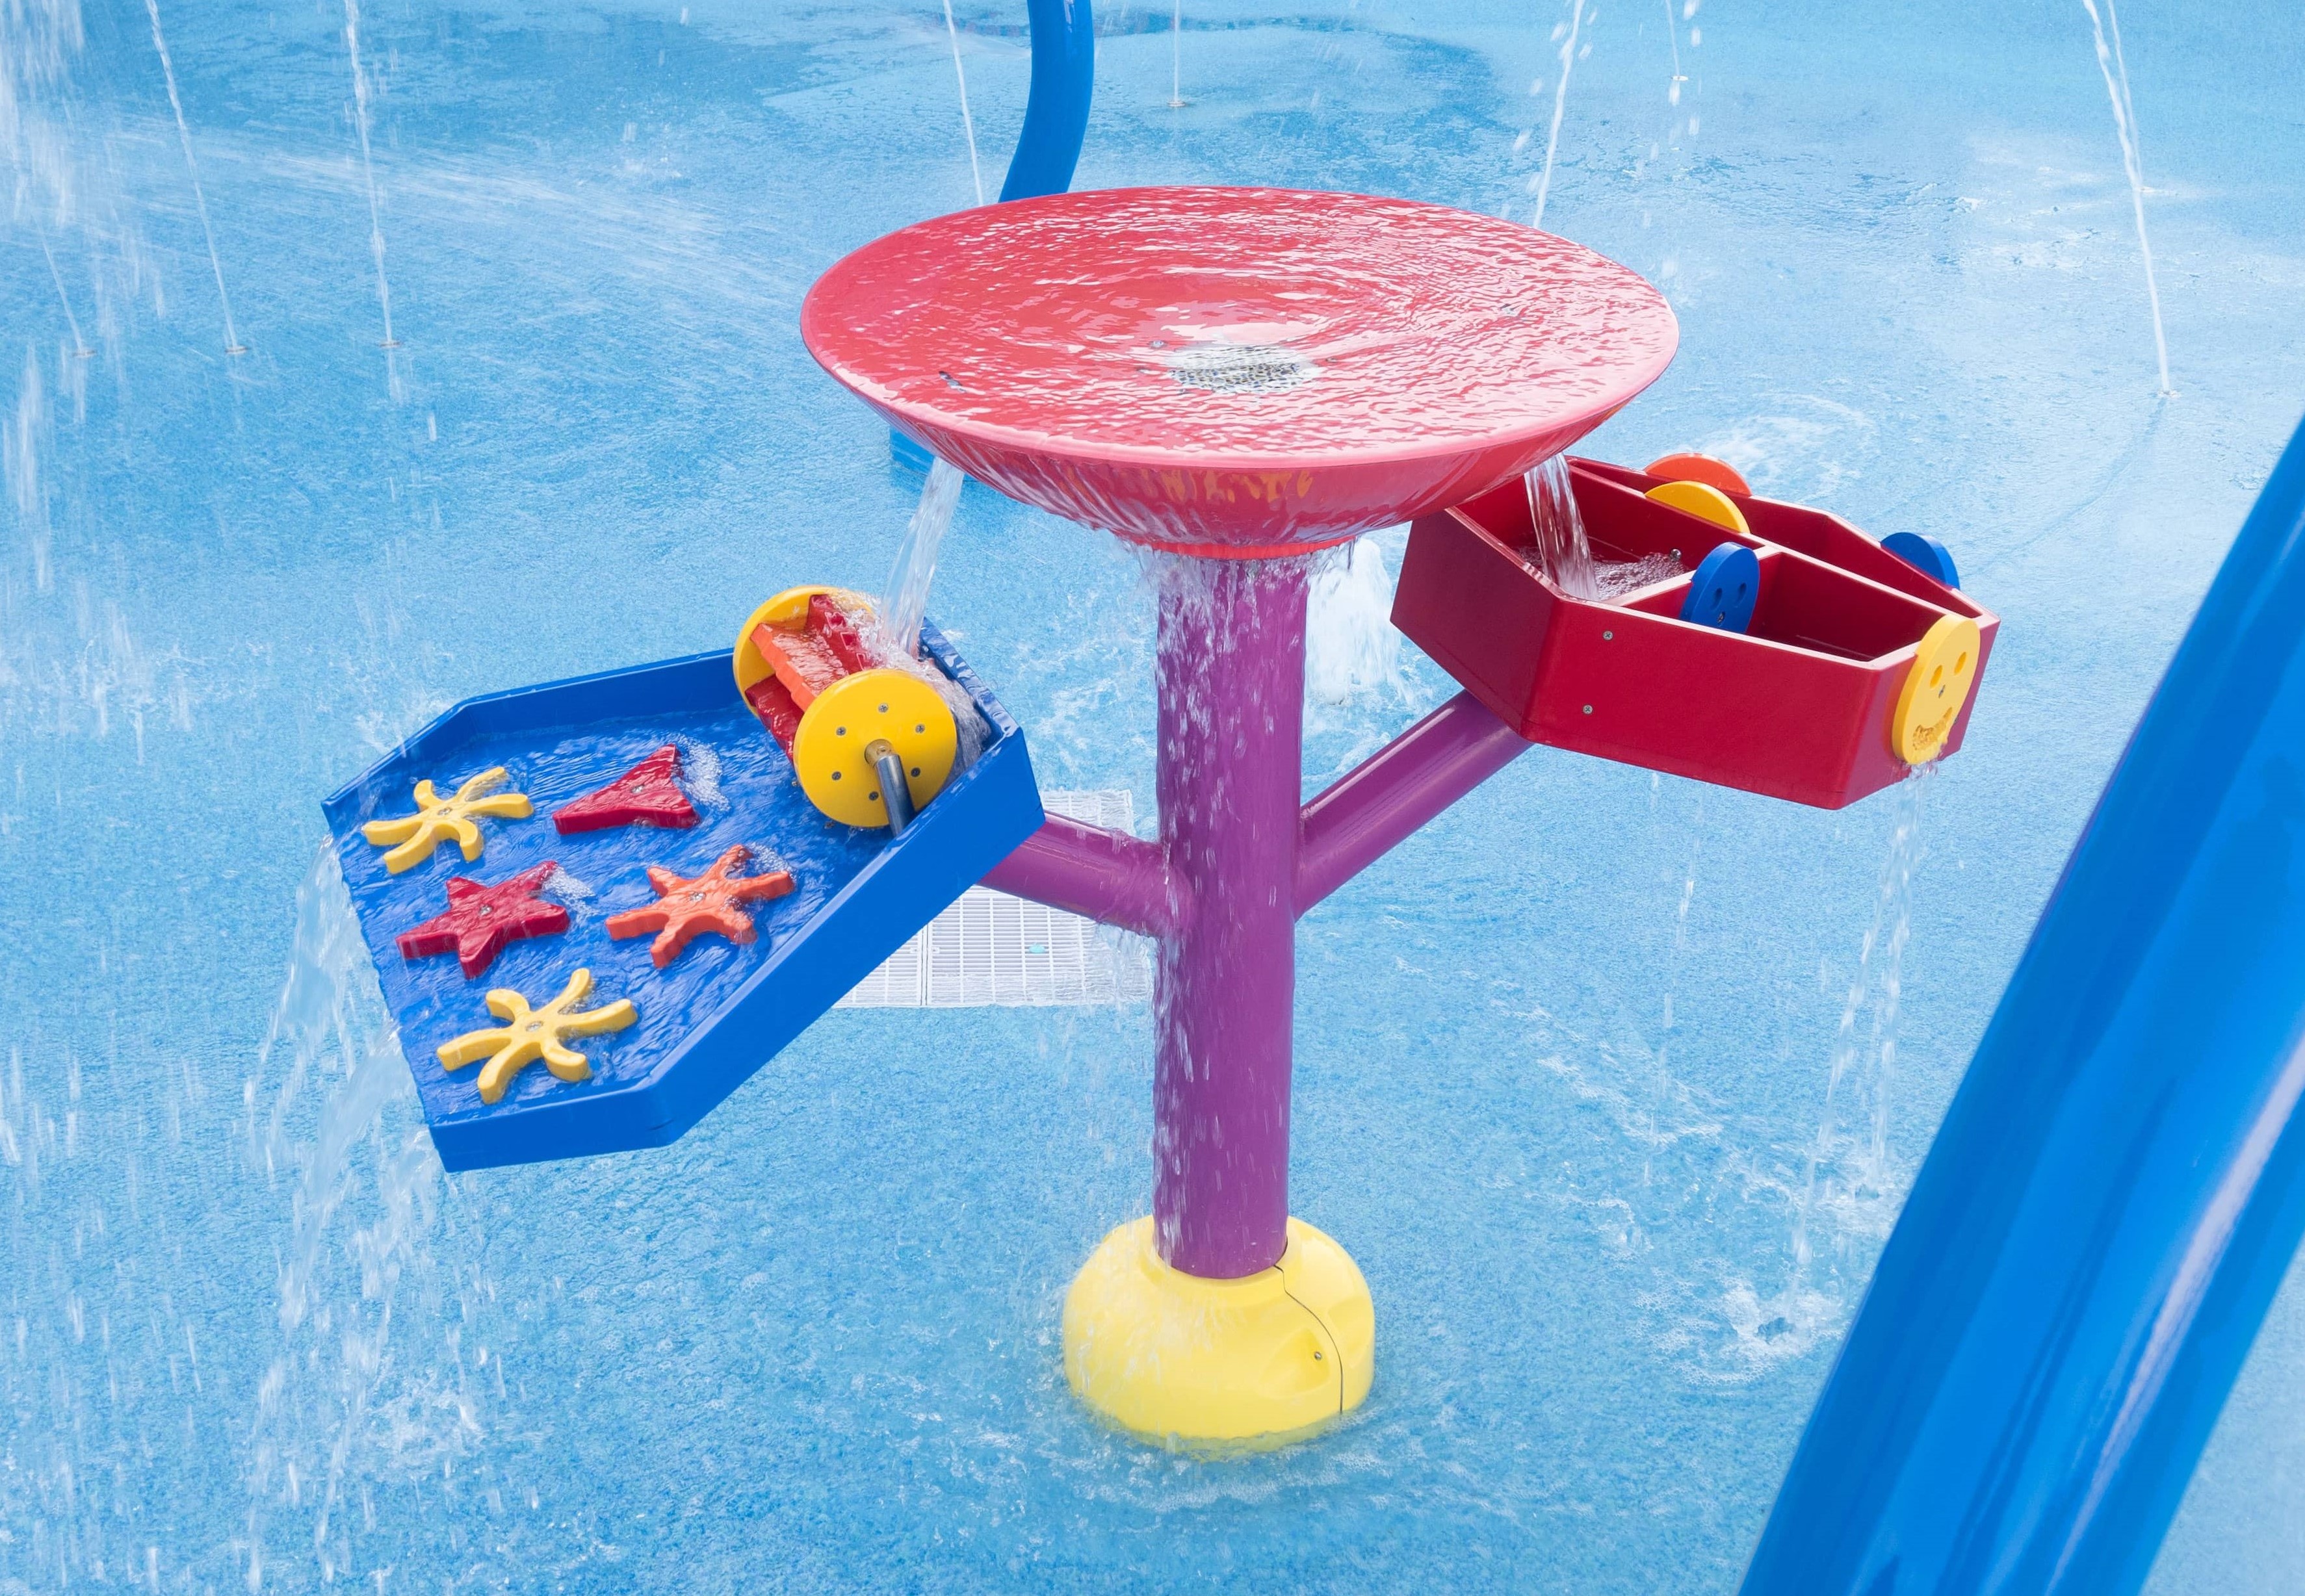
(1237,368)
(1902,247)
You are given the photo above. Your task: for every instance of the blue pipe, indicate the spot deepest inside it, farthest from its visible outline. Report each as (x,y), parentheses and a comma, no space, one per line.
(2119,1182)
(1056,111)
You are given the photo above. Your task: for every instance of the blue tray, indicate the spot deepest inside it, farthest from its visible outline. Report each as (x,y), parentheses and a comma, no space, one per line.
(721,1010)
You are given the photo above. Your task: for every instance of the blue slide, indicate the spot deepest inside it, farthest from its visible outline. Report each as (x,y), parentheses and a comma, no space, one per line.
(2119,1185)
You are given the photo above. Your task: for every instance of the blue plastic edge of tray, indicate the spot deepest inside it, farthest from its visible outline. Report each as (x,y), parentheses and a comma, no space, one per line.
(978,820)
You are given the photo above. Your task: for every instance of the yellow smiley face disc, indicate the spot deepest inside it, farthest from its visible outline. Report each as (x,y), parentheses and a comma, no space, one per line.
(1944,668)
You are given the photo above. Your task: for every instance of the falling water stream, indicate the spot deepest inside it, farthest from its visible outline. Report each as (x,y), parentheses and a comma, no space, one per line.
(967,123)
(1177,56)
(1566,33)
(232,343)
(1350,646)
(1563,553)
(80,350)
(368,176)
(2114,67)
(905,601)
(1672,39)
(1562,550)
(1849,1175)
(372,1386)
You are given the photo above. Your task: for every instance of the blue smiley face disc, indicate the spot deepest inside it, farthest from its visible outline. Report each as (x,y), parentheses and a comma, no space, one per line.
(1723,589)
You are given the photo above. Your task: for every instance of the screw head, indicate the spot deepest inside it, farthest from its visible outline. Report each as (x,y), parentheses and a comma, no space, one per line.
(1588,708)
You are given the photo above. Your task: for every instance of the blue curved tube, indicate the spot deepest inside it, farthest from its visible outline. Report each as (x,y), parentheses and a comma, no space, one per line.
(2119,1182)
(1056,113)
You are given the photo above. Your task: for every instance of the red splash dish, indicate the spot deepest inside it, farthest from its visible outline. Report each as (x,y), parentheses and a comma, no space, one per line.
(1237,371)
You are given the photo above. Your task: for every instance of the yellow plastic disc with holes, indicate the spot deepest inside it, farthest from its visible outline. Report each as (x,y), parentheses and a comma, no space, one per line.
(1701,499)
(785,609)
(1936,687)
(828,751)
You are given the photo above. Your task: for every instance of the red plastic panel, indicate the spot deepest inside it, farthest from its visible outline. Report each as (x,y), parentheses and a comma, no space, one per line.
(1798,707)
(1231,370)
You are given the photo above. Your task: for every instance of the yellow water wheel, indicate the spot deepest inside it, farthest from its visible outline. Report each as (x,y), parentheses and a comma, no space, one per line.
(787,609)
(856,712)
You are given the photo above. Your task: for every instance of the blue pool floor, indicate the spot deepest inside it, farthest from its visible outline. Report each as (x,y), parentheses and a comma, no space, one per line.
(1563,1060)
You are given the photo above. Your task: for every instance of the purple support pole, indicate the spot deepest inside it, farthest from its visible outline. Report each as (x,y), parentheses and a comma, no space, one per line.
(1237,864)
(1231,677)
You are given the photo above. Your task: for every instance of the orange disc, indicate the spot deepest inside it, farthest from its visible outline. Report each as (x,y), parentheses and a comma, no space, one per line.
(1699,468)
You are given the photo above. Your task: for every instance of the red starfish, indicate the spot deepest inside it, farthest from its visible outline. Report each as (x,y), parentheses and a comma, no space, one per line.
(480,920)
(708,903)
(646,795)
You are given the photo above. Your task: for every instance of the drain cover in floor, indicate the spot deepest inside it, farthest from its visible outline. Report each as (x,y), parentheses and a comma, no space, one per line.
(991,949)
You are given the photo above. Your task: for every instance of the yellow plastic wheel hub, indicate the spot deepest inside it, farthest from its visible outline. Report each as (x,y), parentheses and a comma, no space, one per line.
(827,751)
(1186,1362)
(1701,499)
(1945,668)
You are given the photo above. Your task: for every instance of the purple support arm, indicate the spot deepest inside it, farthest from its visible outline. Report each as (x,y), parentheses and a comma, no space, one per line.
(1105,875)
(1124,881)
(1390,794)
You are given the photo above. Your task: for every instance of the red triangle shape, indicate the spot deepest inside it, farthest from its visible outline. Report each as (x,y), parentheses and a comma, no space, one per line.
(647,795)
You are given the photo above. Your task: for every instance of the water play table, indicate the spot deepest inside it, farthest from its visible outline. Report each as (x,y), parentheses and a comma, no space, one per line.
(1238,377)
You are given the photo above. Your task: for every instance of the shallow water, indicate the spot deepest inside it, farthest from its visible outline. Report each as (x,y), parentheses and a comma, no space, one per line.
(249,1334)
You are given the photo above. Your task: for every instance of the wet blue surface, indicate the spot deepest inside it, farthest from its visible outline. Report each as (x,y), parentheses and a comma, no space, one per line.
(1565,1061)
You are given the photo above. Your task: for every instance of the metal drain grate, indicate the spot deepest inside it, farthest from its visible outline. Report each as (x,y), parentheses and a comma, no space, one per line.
(1239,368)
(992,950)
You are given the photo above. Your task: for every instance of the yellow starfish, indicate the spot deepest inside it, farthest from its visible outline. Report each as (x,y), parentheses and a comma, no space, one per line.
(437,819)
(529,1034)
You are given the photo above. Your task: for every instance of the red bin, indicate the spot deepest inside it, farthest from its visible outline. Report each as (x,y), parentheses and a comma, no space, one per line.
(1797,706)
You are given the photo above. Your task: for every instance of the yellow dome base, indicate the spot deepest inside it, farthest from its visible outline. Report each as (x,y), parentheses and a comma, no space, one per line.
(1185,1362)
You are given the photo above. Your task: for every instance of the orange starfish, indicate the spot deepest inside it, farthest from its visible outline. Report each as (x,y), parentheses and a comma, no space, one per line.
(711,902)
